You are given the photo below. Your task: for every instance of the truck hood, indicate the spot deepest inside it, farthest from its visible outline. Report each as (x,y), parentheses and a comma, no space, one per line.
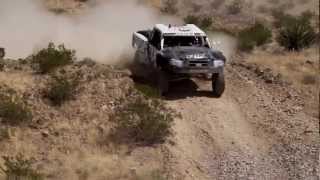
(187,53)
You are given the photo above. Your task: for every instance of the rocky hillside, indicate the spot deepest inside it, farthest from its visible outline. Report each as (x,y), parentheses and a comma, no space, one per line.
(68,118)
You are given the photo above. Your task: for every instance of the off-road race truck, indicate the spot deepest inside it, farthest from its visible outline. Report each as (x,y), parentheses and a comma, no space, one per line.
(177,52)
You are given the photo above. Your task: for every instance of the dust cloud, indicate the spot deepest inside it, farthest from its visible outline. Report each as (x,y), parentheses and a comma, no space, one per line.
(102,31)
(224,43)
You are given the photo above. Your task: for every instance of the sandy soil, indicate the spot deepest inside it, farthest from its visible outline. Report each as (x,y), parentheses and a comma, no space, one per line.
(249,133)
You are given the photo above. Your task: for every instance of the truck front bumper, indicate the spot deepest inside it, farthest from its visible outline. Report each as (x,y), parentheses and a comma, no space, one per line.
(193,70)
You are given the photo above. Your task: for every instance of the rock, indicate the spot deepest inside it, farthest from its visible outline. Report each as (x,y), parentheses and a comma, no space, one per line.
(309,62)
(259,71)
(104,107)
(45,133)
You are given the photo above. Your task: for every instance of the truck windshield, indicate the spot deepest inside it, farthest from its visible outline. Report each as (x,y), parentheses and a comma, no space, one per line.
(172,41)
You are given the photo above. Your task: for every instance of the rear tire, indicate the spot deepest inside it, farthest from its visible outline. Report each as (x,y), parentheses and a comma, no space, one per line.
(163,82)
(136,68)
(2,53)
(218,84)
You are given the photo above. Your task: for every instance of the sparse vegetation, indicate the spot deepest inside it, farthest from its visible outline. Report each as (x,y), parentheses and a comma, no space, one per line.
(58,10)
(203,22)
(143,121)
(217,3)
(147,90)
(19,168)
(254,36)
(154,175)
(295,33)
(52,57)
(309,79)
(169,7)
(61,90)
(206,22)
(4,133)
(192,19)
(235,7)
(13,110)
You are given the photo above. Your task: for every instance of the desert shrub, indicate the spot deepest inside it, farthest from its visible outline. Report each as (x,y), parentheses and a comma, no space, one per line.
(192,19)
(58,10)
(154,175)
(296,33)
(206,22)
(13,110)
(19,168)
(61,89)
(2,65)
(169,7)
(235,7)
(216,4)
(52,57)
(203,22)
(143,121)
(256,35)
(147,90)
(4,133)
(263,8)
(309,79)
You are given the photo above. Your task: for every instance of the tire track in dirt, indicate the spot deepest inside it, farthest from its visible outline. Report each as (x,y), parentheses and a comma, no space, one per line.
(240,135)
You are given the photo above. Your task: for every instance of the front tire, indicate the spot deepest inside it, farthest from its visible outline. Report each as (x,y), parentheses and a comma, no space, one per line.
(218,84)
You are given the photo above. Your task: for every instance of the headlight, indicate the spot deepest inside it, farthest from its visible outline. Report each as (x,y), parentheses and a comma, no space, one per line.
(218,63)
(177,63)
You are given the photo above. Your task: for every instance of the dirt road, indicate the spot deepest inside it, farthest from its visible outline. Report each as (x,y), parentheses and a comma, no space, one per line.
(257,130)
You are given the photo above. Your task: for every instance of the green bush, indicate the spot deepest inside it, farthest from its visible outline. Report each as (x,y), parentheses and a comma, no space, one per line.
(254,36)
(19,168)
(61,90)
(206,23)
(203,22)
(192,19)
(13,110)
(147,90)
(52,57)
(296,33)
(143,121)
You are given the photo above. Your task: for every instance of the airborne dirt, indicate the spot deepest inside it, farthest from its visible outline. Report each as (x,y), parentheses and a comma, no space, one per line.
(255,131)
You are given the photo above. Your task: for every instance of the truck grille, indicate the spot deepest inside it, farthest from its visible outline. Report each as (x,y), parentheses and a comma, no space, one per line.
(199,63)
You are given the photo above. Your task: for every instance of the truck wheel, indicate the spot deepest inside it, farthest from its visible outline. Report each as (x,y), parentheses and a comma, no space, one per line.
(163,82)
(2,53)
(218,84)
(135,67)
